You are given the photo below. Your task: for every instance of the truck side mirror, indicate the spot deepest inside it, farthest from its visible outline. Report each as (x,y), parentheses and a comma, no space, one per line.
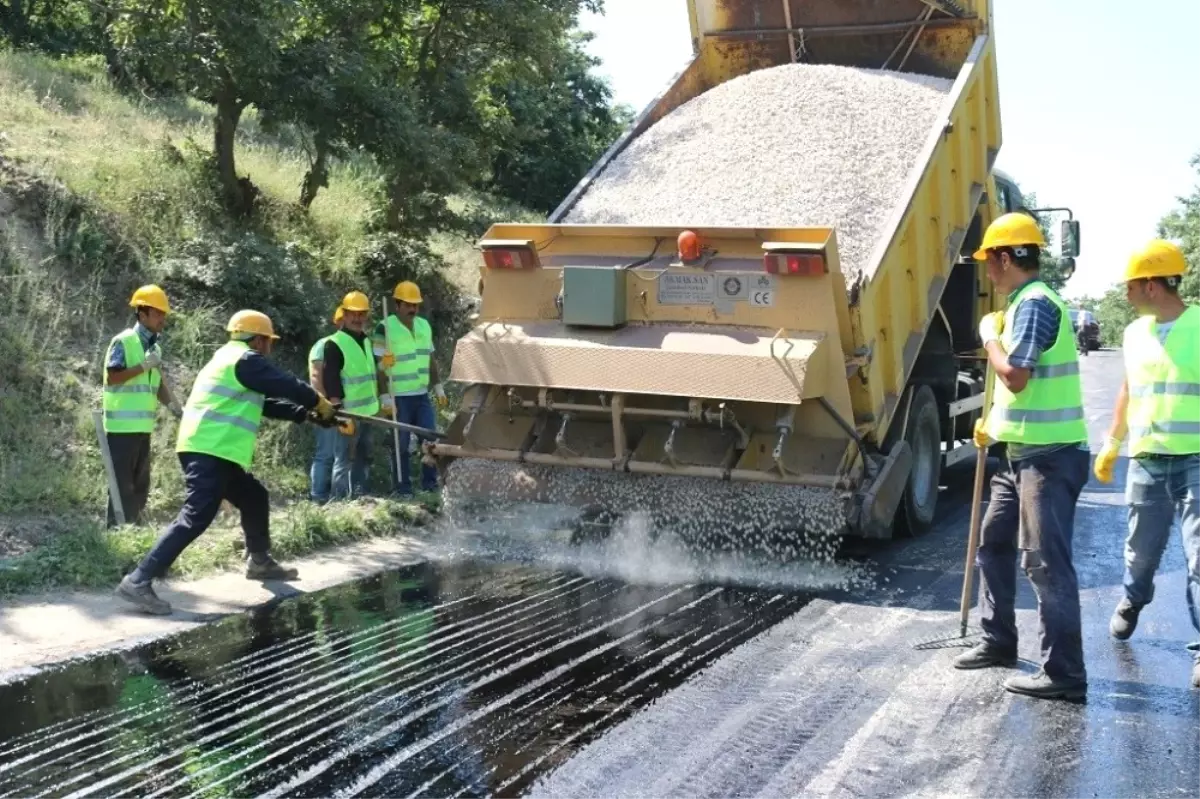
(1070,238)
(1068,265)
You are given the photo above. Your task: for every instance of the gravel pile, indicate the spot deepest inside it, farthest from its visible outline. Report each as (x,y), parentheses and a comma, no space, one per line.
(794,145)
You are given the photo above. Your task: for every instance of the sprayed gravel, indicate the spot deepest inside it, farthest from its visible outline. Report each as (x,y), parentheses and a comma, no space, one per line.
(663,529)
(794,145)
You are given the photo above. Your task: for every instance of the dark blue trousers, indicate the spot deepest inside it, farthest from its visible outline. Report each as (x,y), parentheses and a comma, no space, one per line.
(207,481)
(1031,518)
(416,410)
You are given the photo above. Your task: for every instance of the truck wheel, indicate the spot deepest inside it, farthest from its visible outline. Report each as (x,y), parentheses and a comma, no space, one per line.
(924,435)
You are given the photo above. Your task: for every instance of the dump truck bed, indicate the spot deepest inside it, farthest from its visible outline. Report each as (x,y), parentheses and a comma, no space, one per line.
(600,347)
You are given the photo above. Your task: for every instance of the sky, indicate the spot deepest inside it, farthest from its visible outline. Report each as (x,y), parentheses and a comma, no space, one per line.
(1099,103)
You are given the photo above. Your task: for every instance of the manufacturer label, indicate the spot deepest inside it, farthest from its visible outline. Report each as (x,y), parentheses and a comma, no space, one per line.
(762,291)
(686,289)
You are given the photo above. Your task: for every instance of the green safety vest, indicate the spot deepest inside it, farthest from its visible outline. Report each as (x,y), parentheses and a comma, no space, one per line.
(1050,409)
(412,349)
(1164,386)
(131,406)
(222,416)
(358,374)
(317,353)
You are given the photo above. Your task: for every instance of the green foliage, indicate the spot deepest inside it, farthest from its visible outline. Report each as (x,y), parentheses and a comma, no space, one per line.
(559,125)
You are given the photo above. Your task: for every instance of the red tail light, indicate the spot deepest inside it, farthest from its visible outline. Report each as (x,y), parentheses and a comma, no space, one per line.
(807,264)
(509,255)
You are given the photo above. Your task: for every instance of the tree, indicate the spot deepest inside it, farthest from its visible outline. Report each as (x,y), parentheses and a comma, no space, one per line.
(228,53)
(561,121)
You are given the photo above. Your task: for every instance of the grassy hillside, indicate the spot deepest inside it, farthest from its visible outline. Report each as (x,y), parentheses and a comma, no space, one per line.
(100,193)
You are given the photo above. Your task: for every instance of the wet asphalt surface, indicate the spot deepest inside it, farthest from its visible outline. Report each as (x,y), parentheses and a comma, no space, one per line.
(475,676)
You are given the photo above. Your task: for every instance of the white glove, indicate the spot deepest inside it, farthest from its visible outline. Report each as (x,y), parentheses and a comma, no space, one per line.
(440,394)
(386,401)
(990,327)
(152,361)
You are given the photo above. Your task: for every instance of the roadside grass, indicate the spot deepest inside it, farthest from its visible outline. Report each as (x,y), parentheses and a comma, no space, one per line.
(81,554)
(98,190)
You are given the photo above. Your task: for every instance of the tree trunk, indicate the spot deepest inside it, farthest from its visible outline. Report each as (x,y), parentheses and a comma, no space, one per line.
(316,178)
(225,122)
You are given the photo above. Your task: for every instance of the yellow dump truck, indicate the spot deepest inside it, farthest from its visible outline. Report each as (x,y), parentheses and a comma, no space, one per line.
(742,355)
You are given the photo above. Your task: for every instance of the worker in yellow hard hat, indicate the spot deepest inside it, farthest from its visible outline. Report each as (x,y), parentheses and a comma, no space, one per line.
(216,444)
(1158,408)
(133,390)
(320,473)
(404,345)
(349,378)
(1037,413)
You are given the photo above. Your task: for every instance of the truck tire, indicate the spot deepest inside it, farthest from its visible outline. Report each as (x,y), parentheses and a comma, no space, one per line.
(924,436)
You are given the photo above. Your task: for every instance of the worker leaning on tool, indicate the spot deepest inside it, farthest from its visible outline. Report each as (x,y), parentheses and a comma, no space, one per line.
(1037,412)
(133,388)
(1159,407)
(404,345)
(350,382)
(217,438)
(320,474)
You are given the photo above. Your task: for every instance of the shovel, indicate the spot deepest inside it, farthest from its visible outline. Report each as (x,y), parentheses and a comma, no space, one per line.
(424,432)
(976,515)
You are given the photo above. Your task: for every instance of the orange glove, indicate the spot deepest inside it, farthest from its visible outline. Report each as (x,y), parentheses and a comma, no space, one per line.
(346,427)
(387,360)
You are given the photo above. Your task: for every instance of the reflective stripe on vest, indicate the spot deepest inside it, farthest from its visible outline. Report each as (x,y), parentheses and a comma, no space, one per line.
(1164,386)
(1050,409)
(359,394)
(222,416)
(411,350)
(131,406)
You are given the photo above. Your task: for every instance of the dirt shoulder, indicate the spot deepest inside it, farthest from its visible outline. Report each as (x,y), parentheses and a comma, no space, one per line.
(48,627)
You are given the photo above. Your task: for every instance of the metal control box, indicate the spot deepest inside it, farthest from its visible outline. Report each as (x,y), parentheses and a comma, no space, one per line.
(593,296)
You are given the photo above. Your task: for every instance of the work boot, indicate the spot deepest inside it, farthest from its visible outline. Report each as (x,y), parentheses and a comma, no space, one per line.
(264,567)
(1124,620)
(1042,686)
(142,595)
(984,656)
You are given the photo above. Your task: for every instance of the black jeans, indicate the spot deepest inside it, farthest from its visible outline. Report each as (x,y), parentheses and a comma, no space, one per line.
(1032,513)
(131,463)
(209,480)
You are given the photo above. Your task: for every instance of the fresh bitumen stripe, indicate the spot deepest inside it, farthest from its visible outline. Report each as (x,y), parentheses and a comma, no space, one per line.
(793,145)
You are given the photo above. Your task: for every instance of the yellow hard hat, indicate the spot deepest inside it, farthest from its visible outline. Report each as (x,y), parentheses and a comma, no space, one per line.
(151,296)
(337,315)
(408,291)
(254,322)
(355,301)
(1011,230)
(1157,259)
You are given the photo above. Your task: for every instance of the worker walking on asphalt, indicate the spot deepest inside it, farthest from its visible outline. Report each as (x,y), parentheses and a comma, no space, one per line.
(350,379)
(320,474)
(1159,408)
(1038,414)
(404,344)
(133,388)
(217,438)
